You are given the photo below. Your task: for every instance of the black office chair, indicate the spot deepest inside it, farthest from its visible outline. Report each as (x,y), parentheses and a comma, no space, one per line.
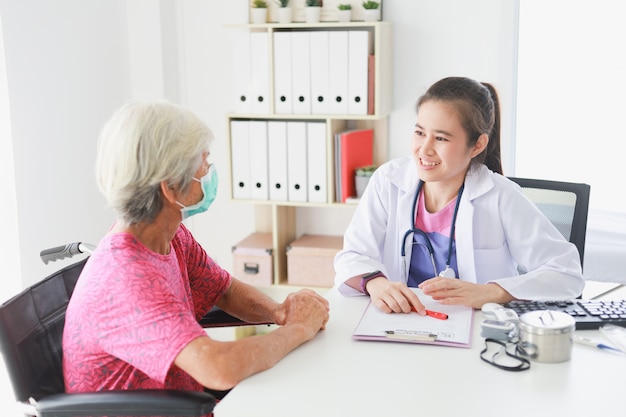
(31,330)
(565,204)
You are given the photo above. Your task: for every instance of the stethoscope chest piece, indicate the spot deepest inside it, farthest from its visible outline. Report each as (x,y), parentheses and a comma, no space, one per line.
(448,273)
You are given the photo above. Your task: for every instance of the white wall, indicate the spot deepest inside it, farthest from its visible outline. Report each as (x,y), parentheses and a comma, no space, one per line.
(573,100)
(9,245)
(70,63)
(67,69)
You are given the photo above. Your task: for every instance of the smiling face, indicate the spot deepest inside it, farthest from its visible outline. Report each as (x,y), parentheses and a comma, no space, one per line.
(440,144)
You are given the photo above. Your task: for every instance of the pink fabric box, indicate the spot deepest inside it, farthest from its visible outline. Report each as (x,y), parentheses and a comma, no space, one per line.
(253,261)
(310,260)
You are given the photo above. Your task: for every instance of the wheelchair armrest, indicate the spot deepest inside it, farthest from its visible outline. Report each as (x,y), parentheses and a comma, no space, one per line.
(217,317)
(127,403)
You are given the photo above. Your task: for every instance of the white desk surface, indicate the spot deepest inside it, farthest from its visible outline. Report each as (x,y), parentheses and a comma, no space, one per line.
(333,375)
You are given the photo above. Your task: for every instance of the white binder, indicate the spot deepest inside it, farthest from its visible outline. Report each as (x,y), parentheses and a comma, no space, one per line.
(240,159)
(358,52)
(338,56)
(258,160)
(283,96)
(242,83)
(296,162)
(301,72)
(260,71)
(316,162)
(277,150)
(320,72)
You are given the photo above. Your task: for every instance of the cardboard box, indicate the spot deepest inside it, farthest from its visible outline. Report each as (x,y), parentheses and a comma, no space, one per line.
(253,260)
(310,260)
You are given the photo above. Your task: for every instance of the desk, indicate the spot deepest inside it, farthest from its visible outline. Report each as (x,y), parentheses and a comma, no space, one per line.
(333,375)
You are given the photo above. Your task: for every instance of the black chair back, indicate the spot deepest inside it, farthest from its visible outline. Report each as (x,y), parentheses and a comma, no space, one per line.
(565,204)
(31,331)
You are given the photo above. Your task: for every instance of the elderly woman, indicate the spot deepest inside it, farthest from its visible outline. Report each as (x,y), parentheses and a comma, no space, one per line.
(149,281)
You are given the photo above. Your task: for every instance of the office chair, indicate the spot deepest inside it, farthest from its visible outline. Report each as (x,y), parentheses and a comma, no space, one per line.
(31,331)
(565,204)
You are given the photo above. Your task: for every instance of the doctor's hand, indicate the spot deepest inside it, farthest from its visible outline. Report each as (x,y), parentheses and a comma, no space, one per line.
(393,297)
(453,291)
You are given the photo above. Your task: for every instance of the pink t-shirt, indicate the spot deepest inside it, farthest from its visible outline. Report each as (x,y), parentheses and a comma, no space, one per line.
(134,310)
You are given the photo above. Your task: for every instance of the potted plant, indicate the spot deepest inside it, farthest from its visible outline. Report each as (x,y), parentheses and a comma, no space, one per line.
(362,176)
(344,14)
(284,11)
(259,11)
(312,11)
(371,11)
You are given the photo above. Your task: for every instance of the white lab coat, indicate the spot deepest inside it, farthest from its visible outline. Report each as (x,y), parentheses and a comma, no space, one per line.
(498,233)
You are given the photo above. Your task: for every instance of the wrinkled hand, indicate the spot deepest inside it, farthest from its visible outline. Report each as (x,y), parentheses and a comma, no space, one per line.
(306,308)
(452,291)
(393,297)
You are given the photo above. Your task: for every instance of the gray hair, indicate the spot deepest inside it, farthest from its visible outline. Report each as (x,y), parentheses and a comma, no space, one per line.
(142,145)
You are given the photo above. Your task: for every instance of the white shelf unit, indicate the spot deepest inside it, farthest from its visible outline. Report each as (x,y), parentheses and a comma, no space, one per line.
(279,217)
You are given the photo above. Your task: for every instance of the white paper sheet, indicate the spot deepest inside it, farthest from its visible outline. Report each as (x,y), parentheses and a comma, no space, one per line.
(457,329)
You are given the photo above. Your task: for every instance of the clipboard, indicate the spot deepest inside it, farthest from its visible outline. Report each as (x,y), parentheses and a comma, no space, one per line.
(456,331)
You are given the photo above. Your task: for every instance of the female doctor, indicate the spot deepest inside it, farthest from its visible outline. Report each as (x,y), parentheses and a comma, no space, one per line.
(447,221)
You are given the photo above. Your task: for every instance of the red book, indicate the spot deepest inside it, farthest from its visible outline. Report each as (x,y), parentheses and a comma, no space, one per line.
(355,149)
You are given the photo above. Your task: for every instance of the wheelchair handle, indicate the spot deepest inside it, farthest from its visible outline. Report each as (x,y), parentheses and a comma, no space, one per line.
(66,251)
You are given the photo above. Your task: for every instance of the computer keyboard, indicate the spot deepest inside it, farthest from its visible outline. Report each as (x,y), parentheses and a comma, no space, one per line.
(589,314)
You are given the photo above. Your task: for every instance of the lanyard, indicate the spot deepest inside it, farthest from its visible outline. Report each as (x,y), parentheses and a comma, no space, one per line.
(428,244)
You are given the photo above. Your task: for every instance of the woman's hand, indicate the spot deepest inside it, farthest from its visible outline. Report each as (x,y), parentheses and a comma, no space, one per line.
(452,291)
(394,297)
(305,307)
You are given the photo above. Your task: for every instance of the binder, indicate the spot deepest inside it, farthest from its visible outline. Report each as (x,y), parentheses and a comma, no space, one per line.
(296,161)
(260,72)
(455,331)
(301,72)
(358,53)
(338,83)
(240,159)
(353,149)
(316,162)
(283,95)
(257,133)
(242,83)
(277,150)
(320,72)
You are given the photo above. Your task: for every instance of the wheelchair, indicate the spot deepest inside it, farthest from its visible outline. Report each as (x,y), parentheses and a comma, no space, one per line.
(31,330)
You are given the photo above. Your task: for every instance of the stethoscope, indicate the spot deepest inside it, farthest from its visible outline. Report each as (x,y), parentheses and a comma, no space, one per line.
(448,272)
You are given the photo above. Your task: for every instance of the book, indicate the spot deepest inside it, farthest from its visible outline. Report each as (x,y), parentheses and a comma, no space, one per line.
(353,149)
(454,331)
(337,168)
(371,77)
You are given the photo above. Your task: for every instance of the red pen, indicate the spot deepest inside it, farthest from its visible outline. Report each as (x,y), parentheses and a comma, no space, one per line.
(435,314)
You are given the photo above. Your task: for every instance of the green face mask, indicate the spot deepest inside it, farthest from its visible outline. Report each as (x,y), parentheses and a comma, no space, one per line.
(209,188)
